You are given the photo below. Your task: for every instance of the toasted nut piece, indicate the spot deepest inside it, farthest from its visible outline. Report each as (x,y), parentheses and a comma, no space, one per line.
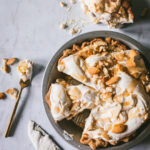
(2,95)
(12,92)
(11,61)
(126,139)
(62,4)
(147,88)
(5,68)
(133,53)
(63,26)
(113,80)
(113,143)
(73,31)
(119,128)
(93,70)
(130,63)
(108,39)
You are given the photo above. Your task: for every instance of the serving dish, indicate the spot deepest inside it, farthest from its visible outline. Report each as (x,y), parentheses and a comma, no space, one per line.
(51,74)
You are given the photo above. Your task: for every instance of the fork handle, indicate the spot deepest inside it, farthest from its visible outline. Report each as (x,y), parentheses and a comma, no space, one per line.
(13,114)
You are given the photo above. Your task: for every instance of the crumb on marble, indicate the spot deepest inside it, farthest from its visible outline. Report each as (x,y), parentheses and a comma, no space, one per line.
(63,4)
(73,31)
(12,92)
(2,95)
(63,26)
(5,67)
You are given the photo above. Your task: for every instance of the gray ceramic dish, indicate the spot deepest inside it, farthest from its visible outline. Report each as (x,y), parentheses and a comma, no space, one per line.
(51,74)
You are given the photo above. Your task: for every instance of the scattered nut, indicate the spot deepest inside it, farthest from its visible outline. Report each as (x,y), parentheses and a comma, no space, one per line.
(12,92)
(63,26)
(113,80)
(119,128)
(2,95)
(62,4)
(73,31)
(5,68)
(11,61)
(126,139)
(93,70)
(148,88)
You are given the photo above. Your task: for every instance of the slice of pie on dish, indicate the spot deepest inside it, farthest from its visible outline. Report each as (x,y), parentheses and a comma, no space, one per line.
(114,13)
(95,63)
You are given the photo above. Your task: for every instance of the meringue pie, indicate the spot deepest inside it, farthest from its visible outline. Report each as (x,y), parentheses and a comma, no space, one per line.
(113,83)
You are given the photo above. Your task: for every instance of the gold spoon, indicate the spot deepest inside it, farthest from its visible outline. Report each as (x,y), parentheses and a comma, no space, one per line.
(22,86)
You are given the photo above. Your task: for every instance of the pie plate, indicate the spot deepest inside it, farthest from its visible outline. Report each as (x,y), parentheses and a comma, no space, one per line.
(51,74)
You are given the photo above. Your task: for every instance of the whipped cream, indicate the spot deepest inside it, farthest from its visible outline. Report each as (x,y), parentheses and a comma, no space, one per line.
(25,69)
(84,96)
(60,102)
(74,66)
(64,99)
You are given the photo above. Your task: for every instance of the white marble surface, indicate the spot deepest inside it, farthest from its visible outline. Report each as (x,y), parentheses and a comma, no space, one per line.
(30,29)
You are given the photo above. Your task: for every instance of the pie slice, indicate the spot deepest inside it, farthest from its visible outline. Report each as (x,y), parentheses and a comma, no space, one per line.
(96,63)
(114,13)
(66,100)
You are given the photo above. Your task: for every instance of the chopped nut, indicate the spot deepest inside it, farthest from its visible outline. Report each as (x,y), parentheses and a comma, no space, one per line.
(108,40)
(2,95)
(96,21)
(93,70)
(62,4)
(113,80)
(148,88)
(12,92)
(73,31)
(119,128)
(126,139)
(63,26)
(5,68)
(144,12)
(133,53)
(130,63)
(11,61)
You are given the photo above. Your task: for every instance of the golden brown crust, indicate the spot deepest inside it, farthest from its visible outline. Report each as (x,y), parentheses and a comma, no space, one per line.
(93,143)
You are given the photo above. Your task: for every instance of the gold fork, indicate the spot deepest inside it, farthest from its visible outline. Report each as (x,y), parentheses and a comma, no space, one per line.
(22,86)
